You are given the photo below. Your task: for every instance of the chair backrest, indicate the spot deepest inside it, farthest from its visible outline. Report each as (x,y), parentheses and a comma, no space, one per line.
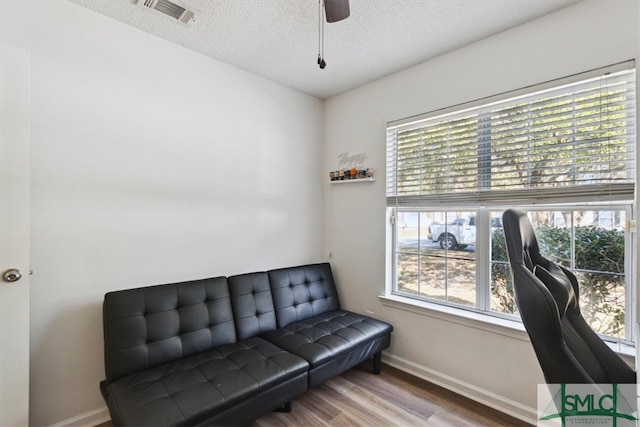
(252,304)
(303,292)
(547,296)
(146,327)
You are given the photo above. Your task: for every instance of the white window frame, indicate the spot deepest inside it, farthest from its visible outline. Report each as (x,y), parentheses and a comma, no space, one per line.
(482,307)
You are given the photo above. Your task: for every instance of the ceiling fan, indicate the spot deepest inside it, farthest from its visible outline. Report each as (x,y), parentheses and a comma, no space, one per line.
(335,10)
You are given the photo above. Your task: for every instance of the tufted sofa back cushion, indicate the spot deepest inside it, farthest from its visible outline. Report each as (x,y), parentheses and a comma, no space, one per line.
(303,292)
(252,304)
(146,327)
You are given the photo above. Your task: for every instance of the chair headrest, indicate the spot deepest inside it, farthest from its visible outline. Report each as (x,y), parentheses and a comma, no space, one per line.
(558,284)
(522,243)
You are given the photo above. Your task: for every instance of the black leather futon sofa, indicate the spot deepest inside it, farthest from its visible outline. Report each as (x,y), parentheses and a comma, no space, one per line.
(225,350)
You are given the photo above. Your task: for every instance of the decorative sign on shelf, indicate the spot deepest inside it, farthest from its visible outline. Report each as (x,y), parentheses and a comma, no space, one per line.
(351,166)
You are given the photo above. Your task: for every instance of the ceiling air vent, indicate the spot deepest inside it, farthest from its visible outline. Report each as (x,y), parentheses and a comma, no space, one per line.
(168,8)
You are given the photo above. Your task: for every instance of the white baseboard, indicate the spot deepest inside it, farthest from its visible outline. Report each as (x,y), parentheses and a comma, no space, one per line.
(87,419)
(495,401)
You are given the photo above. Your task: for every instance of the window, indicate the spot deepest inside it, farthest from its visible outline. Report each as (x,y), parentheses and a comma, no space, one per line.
(564,151)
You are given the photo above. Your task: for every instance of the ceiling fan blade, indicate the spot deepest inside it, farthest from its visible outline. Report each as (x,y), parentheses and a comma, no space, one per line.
(336,10)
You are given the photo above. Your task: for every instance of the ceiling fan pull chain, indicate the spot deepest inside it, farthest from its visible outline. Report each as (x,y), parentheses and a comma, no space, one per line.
(319,18)
(321,61)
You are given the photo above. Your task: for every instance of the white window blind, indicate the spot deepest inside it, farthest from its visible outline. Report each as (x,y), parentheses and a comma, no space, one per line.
(571,139)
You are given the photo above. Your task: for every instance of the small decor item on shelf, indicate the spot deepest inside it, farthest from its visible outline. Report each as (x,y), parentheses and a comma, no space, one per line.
(351,173)
(351,166)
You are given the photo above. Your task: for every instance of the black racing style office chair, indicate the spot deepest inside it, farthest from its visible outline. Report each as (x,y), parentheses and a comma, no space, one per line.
(568,350)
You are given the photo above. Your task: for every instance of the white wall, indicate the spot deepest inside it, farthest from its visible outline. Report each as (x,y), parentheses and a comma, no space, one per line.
(137,181)
(150,164)
(493,366)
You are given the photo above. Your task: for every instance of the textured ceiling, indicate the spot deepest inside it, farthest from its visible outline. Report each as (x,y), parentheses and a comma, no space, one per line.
(278,39)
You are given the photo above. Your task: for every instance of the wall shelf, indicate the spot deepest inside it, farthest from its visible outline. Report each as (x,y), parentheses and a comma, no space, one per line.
(352,181)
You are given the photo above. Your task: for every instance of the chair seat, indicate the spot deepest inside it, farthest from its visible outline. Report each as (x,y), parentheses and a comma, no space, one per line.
(323,337)
(189,390)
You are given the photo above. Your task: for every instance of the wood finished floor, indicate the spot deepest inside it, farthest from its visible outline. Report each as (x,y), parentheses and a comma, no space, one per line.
(393,398)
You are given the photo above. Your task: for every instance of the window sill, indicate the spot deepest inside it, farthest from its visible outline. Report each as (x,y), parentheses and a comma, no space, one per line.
(459,316)
(472,319)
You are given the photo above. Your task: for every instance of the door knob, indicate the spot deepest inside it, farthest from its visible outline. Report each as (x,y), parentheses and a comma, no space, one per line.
(11,275)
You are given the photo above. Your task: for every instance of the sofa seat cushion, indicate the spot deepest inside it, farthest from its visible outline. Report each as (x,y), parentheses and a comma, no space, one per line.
(328,335)
(189,390)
